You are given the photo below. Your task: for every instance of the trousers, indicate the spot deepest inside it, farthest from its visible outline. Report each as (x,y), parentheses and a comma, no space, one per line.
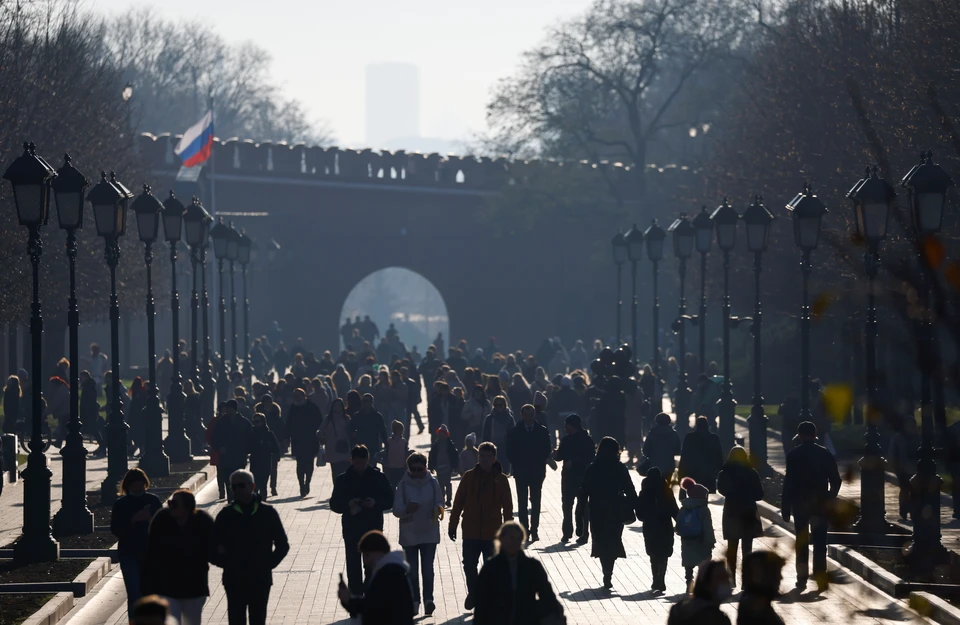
(130,568)
(305,470)
(422,557)
(815,528)
(356,572)
(244,600)
(568,493)
(473,548)
(532,489)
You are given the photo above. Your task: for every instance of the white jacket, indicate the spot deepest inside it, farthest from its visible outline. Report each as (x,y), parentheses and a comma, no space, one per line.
(419,527)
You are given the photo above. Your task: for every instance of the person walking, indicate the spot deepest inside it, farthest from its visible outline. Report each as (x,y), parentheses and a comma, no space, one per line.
(475,409)
(469,456)
(90,413)
(702,607)
(484,501)
(497,425)
(810,487)
(444,456)
(762,574)
(657,509)
(739,483)
(611,500)
(368,429)
(662,446)
(231,438)
(577,452)
(263,450)
(303,424)
(130,523)
(176,563)
(418,503)
(513,588)
(395,460)
(701,455)
(695,527)
(903,454)
(222,477)
(335,436)
(248,543)
(278,426)
(528,449)
(387,598)
(445,408)
(361,495)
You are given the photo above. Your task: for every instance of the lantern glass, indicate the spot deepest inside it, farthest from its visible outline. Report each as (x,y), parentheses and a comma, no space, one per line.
(634,238)
(172,226)
(683,245)
(195,231)
(704,239)
(29,199)
(757,237)
(69,208)
(107,219)
(655,249)
(929,211)
(233,245)
(243,249)
(808,232)
(727,236)
(875,220)
(619,245)
(148,224)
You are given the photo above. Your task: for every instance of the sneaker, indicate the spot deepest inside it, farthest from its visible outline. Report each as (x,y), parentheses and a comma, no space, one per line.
(802,583)
(565,538)
(273,492)
(429,607)
(583,540)
(468,603)
(607,582)
(534,537)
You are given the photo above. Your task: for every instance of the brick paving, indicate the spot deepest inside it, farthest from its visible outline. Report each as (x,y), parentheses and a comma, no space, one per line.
(305,582)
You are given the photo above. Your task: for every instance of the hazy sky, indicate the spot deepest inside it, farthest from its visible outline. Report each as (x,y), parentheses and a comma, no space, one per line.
(320,48)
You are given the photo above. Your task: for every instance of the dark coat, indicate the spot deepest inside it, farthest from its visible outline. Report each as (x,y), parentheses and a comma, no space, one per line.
(612,413)
(577,452)
(441,446)
(811,481)
(388,599)
(367,428)
(528,452)
(89,407)
(740,485)
(497,603)
(352,485)
(701,458)
(11,409)
(661,446)
(132,536)
(657,509)
(518,396)
(176,561)
(454,412)
(755,610)
(303,421)
(606,485)
(264,450)
(233,436)
(248,543)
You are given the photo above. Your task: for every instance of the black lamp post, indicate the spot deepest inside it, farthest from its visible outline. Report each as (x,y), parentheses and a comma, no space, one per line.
(684,236)
(703,226)
(807,211)
(619,245)
(154,461)
(927,184)
(757,219)
(634,239)
(244,247)
(219,233)
(653,236)
(30,176)
(196,223)
(178,445)
(233,253)
(73,517)
(726,218)
(872,199)
(109,199)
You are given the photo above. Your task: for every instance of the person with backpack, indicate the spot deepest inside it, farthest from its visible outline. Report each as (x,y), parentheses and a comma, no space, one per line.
(657,509)
(740,485)
(695,527)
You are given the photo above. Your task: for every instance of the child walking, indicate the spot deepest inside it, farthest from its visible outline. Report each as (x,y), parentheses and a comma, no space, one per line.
(469,456)
(695,527)
(397,452)
(443,458)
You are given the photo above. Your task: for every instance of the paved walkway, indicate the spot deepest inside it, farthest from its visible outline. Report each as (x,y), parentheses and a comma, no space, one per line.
(305,582)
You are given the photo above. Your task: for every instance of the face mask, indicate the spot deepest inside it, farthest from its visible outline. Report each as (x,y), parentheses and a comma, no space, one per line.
(723,592)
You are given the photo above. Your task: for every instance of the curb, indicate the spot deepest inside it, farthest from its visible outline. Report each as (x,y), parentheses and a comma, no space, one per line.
(52,611)
(935,608)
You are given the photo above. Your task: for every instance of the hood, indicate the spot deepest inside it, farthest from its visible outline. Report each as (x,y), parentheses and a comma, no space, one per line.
(691,502)
(417,482)
(394,557)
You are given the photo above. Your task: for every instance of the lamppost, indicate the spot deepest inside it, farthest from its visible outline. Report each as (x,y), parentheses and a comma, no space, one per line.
(233,253)
(196,222)
(219,234)
(210,384)
(73,517)
(703,226)
(806,211)
(619,245)
(927,185)
(30,176)
(872,199)
(244,247)
(154,461)
(726,218)
(684,235)
(177,443)
(634,239)
(653,236)
(109,199)
(757,219)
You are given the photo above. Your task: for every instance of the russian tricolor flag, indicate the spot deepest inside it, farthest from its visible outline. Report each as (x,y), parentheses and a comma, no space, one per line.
(197,142)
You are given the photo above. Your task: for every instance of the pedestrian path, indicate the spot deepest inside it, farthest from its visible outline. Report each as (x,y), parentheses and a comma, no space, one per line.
(305,583)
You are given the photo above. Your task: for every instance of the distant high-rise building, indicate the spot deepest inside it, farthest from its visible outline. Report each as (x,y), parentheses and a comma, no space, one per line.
(393,102)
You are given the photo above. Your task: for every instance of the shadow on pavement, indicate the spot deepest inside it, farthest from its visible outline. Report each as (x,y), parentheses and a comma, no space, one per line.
(559,547)
(587,594)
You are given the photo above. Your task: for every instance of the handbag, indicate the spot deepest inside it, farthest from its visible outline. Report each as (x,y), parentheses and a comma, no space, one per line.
(321,458)
(626,515)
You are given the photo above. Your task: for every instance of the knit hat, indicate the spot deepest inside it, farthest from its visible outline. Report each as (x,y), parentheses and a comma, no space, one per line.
(442,431)
(574,420)
(470,440)
(694,490)
(539,399)
(566,382)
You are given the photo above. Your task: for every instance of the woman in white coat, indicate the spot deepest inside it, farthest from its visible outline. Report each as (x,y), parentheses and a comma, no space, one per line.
(418,503)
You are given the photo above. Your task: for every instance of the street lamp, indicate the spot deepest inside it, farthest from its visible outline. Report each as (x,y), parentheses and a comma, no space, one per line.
(73,517)
(872,198)
(177,443)
(634,239)
(757,219)
(30,176)
(233,253)
(726,218)
(219,233)
(153,460)
(684,238)
(196,222)
(927,185)
(244,247)
(653,236)
(703,226)
(109,200)
(619,244)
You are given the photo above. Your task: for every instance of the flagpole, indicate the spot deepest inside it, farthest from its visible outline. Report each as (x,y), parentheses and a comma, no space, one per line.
(213,162)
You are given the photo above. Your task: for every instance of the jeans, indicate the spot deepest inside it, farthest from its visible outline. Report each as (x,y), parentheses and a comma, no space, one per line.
(305,471)
(273,475)
(747,547)
(807,527)
(130,568)
(246,599)
(534,487)
(260,478)
(356,572)
(186,611)
(444,477)
(473,548)
(429,552)
(569,492)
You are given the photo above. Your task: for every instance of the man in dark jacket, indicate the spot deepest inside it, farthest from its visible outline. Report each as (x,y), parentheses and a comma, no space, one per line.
(388,599)
(528,448)
(414,392)
(361,494)
(445,408)
(701,456)
(303,421)
(811,483)
(231,437)
(271,410)
(367,427)
(576,451)
(248,543)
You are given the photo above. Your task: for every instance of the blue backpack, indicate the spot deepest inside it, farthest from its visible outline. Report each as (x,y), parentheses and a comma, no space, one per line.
(688,523)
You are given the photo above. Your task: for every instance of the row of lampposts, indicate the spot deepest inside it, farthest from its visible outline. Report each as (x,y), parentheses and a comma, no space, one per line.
(33,179)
